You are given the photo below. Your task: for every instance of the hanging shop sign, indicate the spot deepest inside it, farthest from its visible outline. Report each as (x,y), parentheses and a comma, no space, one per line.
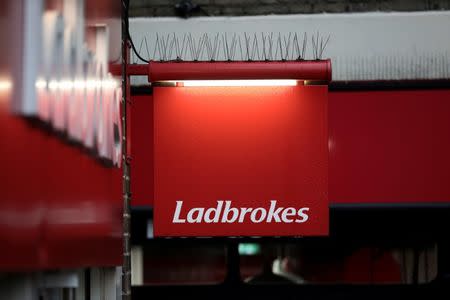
(240,161)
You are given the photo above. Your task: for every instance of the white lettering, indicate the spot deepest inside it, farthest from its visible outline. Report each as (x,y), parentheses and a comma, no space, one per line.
(304,217)
(244,211)
(226,212)
(273,213)
(288,212)
(216,211)
(176,216)
(233,214)
(261,217)
(196,210)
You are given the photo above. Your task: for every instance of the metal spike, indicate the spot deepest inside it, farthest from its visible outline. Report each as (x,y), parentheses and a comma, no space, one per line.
(247,42)
(214,43)
(211,49)
(305,41)
(314,47)
(191,46)
(146,48)
(287,44)
(296,47)
(262,46)
(182,46)
(188,44)
(278,46)
(218,50)
(224,46)
(177,48)
(324,46)
(317,45)
(172,43)
(255,47)
(252,50)
(263,39)
(291,45)
(313,41)
(160,47)
(228,47)
(233,46)
(215,47)
(271,46)
(240,48)
(166,48)
(156,46)
(140,48)
(197,48)
(207,46)
(201,46)
(320,48)
(163,48)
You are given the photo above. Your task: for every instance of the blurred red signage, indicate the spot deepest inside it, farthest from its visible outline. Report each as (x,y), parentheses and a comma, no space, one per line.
(240,161)
(65,81)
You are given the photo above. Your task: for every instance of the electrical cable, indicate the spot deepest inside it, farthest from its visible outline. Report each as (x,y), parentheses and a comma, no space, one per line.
(126,3)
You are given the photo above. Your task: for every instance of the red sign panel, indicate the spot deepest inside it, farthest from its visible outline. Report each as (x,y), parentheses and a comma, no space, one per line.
(240,161)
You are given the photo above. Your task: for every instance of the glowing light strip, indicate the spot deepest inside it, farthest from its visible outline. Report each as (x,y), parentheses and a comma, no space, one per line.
(77,84)
(266,82)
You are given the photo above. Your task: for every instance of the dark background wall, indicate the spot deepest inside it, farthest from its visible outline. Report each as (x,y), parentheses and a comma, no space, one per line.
(142,8)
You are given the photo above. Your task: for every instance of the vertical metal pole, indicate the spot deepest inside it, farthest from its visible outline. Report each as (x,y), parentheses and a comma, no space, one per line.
(126,266)
(233,275)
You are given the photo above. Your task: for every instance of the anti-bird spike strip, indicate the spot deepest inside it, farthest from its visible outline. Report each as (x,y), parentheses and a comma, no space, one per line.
(224,46)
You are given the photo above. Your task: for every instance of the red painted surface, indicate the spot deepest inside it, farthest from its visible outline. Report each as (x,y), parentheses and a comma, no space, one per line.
(301,70)
(389,146)
(248,145)
(142,150)
(385,147)
(59,207)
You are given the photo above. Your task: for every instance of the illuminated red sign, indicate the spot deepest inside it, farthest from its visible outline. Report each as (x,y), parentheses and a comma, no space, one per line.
(240,161)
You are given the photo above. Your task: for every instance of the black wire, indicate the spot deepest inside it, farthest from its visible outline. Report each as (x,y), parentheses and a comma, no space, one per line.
(126,3)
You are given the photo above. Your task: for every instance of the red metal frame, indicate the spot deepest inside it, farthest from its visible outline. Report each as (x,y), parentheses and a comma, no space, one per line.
(303,70)
(317,70)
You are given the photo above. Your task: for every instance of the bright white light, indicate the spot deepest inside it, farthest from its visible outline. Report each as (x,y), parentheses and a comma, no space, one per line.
(53,85)
(5,85)
(266,82)
(79,84)
(92,83)
(41,84)
(109,83)
(66,85)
